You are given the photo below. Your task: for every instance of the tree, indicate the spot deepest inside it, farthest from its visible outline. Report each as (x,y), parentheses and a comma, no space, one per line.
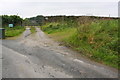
(13,19)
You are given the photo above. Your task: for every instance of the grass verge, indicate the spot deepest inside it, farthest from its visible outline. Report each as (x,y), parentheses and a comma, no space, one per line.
(15,31)
(96,40)
(32,29)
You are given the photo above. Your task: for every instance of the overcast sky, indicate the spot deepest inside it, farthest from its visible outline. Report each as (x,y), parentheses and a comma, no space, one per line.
(30,8)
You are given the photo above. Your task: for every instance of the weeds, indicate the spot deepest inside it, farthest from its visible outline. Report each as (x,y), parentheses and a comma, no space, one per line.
(97,39)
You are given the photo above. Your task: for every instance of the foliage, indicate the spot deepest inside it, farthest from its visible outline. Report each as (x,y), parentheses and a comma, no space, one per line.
(34,21)
(13,19)
(97,39)
(58,26)
(26,22)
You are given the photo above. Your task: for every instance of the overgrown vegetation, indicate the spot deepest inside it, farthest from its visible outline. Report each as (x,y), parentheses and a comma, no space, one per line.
(96,39)
(15,31)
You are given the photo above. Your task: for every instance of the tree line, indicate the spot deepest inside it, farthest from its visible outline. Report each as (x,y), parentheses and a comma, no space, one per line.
(40,20)
(12,19)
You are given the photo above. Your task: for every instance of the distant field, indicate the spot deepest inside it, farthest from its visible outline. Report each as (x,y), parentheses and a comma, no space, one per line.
(98,40)
(15,31)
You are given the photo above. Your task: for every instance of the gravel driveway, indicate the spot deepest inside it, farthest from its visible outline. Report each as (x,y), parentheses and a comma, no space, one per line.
(37,56)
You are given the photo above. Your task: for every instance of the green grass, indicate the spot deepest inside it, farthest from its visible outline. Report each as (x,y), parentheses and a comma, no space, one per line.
(97,40)
(32,29)
(15,31)
(61,35)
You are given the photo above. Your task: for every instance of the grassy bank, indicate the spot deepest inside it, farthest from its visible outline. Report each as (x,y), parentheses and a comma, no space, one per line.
(98,40)
(15,31)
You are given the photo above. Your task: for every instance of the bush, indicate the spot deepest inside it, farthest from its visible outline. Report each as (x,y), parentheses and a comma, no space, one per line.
(98,40)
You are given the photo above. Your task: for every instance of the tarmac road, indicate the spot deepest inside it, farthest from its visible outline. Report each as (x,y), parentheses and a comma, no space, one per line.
(37,56)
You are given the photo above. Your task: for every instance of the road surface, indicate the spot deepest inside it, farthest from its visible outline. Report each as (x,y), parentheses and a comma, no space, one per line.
(37,56)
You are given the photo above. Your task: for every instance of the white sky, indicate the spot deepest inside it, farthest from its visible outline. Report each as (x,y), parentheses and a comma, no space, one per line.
(30,8)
